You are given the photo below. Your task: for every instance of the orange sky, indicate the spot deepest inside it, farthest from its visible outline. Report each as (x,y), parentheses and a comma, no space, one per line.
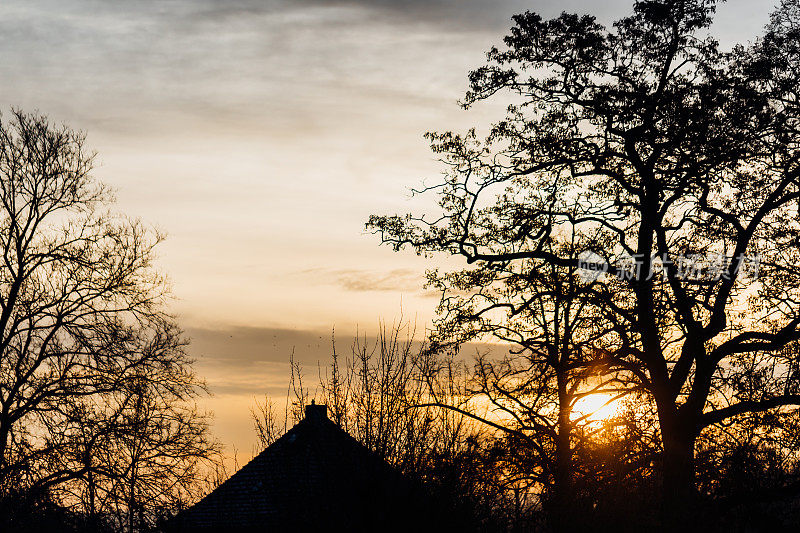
(260,135)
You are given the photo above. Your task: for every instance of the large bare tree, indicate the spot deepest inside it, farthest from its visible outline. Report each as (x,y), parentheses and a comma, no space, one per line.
(684,157)
(94,377)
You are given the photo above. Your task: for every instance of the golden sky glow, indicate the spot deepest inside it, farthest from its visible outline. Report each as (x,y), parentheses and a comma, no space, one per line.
(260,135)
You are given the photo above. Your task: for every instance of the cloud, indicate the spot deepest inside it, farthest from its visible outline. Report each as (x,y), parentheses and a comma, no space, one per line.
(454,15)
(242,364)
(252,346)
(402,280)
(252,361)
(263,65)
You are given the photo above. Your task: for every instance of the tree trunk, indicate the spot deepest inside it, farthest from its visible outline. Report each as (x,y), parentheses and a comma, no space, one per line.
(92,504)
(678,497)
(562,512)
(132,503)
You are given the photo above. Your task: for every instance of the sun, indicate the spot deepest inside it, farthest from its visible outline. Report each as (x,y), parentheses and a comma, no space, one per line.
(596,407)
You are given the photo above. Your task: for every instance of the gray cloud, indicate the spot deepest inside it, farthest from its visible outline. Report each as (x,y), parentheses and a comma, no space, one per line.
(247,346)
(252,361)
(242,364)
(454,15)
(116,65)
(396,280)
(255,360)
(402,280)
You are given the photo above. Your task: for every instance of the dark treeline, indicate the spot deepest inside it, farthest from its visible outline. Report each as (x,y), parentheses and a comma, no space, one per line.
(485,441)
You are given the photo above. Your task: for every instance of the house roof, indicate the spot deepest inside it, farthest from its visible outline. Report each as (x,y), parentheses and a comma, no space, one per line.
(316,475)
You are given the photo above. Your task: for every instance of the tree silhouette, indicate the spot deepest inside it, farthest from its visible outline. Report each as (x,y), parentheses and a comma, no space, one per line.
(95,384)
(680,160)
(548,317)
(380,393)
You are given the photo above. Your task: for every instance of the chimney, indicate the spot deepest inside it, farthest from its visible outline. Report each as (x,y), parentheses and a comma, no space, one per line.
(316,412)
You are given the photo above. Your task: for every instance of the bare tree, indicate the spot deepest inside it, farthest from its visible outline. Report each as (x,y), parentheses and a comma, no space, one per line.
(265,422)
(550,322)
(381,393)
(684,158)
(96,389)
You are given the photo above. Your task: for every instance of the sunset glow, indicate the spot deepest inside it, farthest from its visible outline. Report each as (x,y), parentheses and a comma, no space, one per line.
(263,253)
(458,266)
(596,407)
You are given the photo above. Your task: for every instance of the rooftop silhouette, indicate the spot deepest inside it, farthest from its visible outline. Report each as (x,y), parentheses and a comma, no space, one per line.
(315,477)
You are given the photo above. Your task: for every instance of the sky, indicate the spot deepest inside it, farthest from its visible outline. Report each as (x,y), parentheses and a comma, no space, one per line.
(260,136)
